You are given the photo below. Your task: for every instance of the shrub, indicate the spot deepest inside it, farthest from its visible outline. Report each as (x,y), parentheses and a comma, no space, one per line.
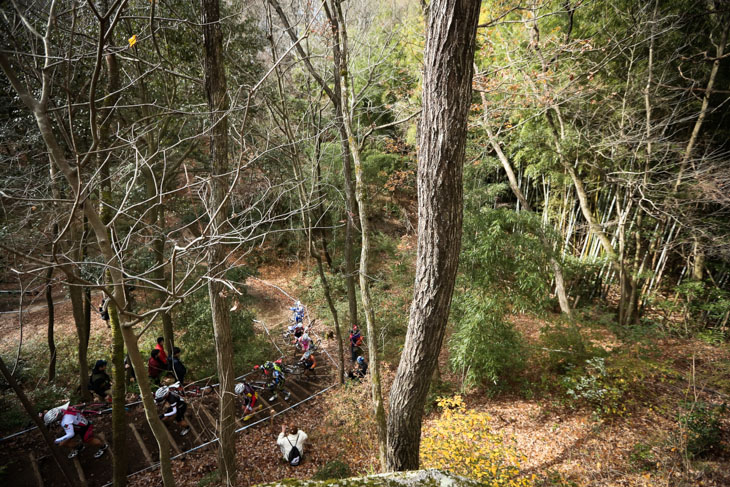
(484,346)
(336,469)
(566,348)
(702,427)
(595,386)
(642,457)
(461,442)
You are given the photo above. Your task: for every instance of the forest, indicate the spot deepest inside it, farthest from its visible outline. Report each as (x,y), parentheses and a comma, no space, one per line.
(488,238)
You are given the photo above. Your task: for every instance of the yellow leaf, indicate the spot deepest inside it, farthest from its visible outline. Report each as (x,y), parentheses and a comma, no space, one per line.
(132,40)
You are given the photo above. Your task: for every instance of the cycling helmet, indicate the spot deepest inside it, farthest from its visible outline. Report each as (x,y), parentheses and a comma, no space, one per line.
(361,360)
(161,393)
(53,415)
(307,354)
(240,388)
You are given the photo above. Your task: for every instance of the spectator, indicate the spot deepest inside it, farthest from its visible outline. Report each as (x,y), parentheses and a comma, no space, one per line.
(99,382)
(161,347)
(355,343)
(178,368)
(128,370)
(360,371)
(104,310)
(155,367)
(292,444)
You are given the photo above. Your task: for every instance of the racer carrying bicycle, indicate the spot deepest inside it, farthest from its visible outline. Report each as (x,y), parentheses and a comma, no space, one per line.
(298,309)
(177,407)
(245,390)
(73,422)
(274,371)
(308,361)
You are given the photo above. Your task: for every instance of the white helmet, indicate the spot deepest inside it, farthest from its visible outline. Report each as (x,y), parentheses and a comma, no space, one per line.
(298,304)
(307,354)
(239,389)
(161,393)
(54,414)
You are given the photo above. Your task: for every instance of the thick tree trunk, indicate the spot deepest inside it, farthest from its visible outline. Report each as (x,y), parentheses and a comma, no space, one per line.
(119,412)
(159,430)
(60,459)
(448,59)
(215,89)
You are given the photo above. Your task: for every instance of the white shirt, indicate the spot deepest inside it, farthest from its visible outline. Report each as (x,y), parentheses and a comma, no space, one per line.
(287,442)
(68,422)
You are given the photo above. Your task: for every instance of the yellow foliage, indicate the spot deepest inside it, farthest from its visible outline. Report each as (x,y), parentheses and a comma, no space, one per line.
(460,441)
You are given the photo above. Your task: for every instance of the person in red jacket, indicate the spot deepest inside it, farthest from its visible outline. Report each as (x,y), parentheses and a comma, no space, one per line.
(155,367)
(161,347)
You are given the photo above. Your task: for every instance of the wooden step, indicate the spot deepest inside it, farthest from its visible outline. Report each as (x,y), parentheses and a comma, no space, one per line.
(142,446)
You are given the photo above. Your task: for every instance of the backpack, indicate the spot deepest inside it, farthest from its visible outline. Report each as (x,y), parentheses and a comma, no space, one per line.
(294,456)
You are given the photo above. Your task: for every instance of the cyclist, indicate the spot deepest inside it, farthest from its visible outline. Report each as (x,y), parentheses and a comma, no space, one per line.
(303,342)
(360,371)
(155,367)
(298,310)
(177,407)
(250,396)
(73,423)
(99,382)
(276,384)
(355,343)
(104,310)
(308,361)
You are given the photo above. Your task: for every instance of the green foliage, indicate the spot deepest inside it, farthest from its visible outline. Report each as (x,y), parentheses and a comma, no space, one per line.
(642,457)
(484,345)
(702,427)
(504,269)
(566,347)
(503,255)
(594,385)
(334,469)
(210,479)
(198,343)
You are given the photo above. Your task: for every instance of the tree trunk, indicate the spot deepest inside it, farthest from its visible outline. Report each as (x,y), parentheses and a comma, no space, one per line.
(215,89)
(159,430)
(719,54)
(360,192)
(119,412)
(448,59)
(77,306)
(51,320)
(62,462)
